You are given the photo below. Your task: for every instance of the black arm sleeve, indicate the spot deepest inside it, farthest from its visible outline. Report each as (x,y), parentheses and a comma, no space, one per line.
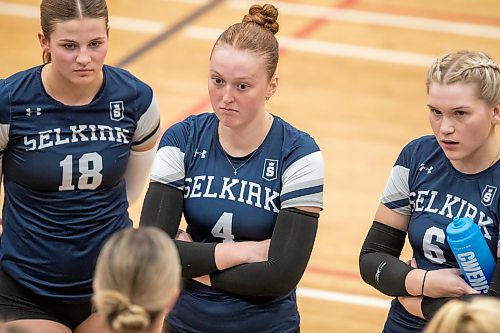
(291,246)
(379,262)
(495,281)
(431,305)
(162,208)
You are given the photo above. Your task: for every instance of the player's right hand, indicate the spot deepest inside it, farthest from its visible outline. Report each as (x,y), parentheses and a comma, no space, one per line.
(446,283)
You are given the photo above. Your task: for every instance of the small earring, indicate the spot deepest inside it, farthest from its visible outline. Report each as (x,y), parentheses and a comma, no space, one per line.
(267,98)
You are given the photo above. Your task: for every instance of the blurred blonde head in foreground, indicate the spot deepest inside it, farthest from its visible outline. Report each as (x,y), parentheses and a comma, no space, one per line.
(480,315)
(137,280)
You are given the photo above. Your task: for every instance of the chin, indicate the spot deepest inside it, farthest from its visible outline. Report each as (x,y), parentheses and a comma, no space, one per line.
(84,80)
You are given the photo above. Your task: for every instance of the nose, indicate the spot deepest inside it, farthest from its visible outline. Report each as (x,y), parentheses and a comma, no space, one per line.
(446,126)
(83,57)
(227,97)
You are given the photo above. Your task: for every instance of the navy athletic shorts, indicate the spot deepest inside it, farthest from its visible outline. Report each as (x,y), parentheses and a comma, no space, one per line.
(18,302)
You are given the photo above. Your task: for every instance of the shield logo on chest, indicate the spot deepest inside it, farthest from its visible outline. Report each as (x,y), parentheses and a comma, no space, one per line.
(116,110)
(270,171)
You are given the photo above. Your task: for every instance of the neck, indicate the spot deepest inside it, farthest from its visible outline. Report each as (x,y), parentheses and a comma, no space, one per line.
(66,92)
(241,141)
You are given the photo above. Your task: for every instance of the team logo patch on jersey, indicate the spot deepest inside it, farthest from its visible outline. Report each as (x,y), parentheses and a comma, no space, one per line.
(488,195)
(270,171)
(116,109)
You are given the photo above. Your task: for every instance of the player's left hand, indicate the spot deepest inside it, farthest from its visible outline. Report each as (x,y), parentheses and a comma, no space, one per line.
(183,236)
(412,304)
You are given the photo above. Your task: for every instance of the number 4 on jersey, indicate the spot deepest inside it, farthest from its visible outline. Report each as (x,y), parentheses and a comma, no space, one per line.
(224,227)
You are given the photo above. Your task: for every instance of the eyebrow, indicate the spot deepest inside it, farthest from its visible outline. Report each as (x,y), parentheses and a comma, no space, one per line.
(453,109)
(212,71)
(461,107)
(73,41)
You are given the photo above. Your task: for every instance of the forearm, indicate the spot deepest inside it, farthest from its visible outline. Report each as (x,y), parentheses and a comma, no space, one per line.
(137,172)
(379,262)
(228,255)
(290,248)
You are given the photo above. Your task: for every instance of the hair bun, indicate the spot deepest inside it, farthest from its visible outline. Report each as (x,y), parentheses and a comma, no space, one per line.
(131,318)
(265,16)
(122,315)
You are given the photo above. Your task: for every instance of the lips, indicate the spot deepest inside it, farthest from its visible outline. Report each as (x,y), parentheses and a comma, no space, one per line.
(449,144)
(228,109)
(83,70)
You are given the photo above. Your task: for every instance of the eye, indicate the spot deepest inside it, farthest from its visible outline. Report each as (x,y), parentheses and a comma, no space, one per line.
(243,86)
(95,44)
(69,46)
(435,111)
(217,81)
(459,113)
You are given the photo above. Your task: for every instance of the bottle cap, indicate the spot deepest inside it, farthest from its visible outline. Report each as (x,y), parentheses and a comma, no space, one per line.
(459,222)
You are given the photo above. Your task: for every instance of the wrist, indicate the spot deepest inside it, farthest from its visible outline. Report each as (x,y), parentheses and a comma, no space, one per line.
(422,292)
(414,282)
(232,254)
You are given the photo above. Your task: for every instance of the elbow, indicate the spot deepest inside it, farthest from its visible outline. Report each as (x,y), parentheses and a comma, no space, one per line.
(282,281)
(363,269)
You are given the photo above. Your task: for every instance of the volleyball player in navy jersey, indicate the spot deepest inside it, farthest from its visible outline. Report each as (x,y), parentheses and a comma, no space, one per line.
(76,138)
(250,187)
(454,172)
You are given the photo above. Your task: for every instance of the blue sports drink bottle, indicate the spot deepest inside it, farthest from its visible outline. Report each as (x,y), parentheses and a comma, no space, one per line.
(471,252)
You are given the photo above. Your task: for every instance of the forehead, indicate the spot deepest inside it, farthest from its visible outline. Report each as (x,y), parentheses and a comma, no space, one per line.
(78,27)
(453,95)
(230,62)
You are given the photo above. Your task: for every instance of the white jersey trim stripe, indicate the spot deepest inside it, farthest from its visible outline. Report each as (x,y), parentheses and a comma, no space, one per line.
(148,122)
(397,188)
(168,166)
(304,173)
(4,136)
(311,200)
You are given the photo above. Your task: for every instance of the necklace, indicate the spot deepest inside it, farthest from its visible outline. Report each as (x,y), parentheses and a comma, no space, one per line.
(249,158)
(241,165)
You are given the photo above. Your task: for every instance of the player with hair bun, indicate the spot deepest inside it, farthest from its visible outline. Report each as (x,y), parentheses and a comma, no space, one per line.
(250,186)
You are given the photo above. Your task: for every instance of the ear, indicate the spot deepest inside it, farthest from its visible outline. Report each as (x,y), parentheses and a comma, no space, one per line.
(44,42)
(496,114)
(272,86)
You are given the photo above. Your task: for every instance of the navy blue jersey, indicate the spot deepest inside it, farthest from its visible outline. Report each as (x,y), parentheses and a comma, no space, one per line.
(224,204)
(63,170)
(424,185)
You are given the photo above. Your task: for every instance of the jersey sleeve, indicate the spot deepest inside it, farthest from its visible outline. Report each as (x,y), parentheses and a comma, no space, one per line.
(169,164)
(396,195)
(4,117)
(148,125)
(303,175)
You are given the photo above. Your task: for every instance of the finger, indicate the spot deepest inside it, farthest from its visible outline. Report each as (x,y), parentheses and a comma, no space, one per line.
(413,263)
(471,290)
(179,232)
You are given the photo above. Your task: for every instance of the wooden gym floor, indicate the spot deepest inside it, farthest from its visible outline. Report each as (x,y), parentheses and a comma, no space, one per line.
(352,74)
